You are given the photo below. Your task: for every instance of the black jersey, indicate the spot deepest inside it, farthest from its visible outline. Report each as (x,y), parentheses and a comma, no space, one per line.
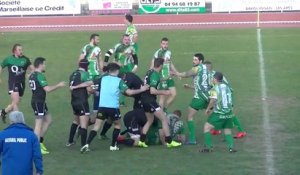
(79,95)
(16,68)
(37,82)
(152,78)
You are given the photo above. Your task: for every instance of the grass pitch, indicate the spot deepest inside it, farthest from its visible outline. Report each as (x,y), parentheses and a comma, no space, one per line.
(233,52)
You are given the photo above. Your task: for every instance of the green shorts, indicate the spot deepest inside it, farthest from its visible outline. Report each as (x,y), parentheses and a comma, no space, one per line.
(198,104)
(221,121)
(166,84)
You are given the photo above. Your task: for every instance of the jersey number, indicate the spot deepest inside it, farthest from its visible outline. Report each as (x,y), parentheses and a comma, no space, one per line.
(226,99)
(205,81)
(32,85)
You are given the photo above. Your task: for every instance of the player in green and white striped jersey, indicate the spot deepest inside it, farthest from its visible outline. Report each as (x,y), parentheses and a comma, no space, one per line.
(201,87)
(236,122)
(220,113)
(125,56)
(167,82)
(131,31)
(92,53)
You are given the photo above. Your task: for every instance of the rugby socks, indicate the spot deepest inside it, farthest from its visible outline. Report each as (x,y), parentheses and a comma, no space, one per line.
(237,123)
(168,139)
(83,134)
(3,113)
(93,133)
(115,135)
(191,126)
(229,140)
(72,132)
(207,140)
(41,139)
(105,128)
(143,137)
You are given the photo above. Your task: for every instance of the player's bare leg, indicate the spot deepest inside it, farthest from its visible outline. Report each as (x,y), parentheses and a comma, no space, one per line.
(91,136)
(165,126)
(150,119)
(15,100)
(46,122)
(162,101)
(170,99)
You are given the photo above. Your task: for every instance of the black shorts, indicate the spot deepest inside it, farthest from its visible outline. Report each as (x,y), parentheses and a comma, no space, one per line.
(81,109)
(40,109)
(132,126)
(96,103)
(151,107)
(109,113)
(137,104)
(16,87)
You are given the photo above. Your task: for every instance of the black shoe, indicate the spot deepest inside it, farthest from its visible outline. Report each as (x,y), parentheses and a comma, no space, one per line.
(232,150)
(3,115)
(206,150)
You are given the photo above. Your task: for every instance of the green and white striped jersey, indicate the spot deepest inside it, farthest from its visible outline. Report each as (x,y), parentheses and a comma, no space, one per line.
(201,82)
(92,53)
(123,53)
(222,93)
(166,55)
(131,31)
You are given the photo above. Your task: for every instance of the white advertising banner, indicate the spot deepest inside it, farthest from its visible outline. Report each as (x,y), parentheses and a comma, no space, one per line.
(254,5)
(110,4)
(38,7)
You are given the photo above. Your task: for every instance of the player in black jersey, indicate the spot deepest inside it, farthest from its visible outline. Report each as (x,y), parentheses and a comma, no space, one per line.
(79,102)
(17,65)
(39,87)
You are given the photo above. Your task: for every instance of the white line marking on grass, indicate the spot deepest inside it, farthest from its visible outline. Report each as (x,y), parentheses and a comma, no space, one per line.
(266,114)
(149,24)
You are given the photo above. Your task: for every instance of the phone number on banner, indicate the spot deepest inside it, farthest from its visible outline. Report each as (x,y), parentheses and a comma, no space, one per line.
(184,4)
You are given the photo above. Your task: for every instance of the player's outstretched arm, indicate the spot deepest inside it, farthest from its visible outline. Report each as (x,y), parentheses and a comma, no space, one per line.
(85,84)
(52,88)
(187,74)
(188,86)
